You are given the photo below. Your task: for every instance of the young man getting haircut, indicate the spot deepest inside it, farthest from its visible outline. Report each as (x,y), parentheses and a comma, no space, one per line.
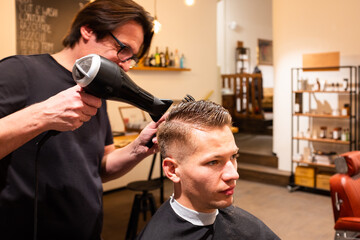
(200,154)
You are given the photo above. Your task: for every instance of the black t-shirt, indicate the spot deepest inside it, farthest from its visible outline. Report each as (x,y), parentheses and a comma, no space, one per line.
(70,188)
(232,223)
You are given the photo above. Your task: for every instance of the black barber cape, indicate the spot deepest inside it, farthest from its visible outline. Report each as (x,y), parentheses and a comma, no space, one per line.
(231,223)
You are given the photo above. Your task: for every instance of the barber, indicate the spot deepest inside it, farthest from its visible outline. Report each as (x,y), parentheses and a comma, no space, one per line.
(38,94)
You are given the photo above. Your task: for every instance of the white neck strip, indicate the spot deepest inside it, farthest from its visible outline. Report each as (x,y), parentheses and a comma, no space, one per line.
(192,216)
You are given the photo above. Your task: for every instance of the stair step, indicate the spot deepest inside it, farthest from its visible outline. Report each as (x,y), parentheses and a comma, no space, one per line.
(263,174)
(257,159)
(255,126)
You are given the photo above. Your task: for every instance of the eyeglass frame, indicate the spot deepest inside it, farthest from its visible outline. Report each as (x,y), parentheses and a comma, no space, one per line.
(122,47)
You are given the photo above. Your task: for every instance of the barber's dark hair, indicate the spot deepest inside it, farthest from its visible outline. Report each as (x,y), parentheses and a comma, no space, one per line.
(104,16)
(176,130)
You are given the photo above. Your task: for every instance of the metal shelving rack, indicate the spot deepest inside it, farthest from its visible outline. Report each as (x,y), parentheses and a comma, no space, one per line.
(353,97)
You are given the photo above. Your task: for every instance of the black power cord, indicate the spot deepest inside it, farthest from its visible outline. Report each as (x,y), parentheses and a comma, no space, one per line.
(39,144)
(36,192)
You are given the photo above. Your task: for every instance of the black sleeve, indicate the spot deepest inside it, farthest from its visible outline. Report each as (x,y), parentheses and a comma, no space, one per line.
(13,86)
(109,137)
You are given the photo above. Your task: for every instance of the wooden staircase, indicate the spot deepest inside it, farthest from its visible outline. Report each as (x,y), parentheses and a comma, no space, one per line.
(262,168)
(255,126)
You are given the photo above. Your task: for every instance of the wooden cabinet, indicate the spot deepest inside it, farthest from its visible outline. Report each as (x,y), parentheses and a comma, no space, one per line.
(324,120)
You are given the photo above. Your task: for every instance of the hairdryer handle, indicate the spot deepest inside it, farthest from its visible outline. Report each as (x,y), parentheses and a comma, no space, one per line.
(150,143)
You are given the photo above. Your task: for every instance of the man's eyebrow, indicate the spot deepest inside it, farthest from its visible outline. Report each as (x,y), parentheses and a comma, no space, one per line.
(237,151)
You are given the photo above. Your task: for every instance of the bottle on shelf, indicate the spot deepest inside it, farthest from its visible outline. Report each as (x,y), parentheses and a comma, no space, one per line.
(345,111)
(343,135)
(323,130)
(171,60)
(162,60)
(157,57)
(347,134)
(167,57)
(298,103)
(176,59)
(337,133)
(152,60)
(182,61)
(147,61)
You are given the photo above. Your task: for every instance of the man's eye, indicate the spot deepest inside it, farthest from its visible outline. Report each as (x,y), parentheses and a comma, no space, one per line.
(212,163)
(235,156)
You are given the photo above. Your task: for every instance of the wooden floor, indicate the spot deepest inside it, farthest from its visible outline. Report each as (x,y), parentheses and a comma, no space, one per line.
(293,216)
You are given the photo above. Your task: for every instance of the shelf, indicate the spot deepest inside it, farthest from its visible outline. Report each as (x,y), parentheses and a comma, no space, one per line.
(318,91)
(305,98)
(319,115)
(329,68)
(314,164)
(324,140)
(168,69)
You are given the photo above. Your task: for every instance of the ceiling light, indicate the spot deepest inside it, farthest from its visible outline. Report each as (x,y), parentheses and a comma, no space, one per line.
(189,2)
(157,24)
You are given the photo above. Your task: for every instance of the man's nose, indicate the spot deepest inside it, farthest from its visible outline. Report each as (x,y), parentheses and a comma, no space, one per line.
(124,66)
(230,171)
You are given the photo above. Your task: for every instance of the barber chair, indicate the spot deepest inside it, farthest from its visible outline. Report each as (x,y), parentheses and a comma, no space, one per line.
(345,196)
(145,201)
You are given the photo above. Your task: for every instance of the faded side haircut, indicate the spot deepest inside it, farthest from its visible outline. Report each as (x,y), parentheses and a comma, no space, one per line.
(174,135)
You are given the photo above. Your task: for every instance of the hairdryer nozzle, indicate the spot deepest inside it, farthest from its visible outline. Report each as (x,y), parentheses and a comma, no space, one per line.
(105,79)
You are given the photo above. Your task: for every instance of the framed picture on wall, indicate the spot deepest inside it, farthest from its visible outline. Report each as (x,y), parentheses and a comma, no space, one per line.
(265,52)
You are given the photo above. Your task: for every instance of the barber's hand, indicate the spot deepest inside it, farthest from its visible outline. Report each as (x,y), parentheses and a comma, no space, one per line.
(69,109)
(148,133)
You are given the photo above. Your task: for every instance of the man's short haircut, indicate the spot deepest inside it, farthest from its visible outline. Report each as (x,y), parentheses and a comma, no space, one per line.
(174,135)
(104,16)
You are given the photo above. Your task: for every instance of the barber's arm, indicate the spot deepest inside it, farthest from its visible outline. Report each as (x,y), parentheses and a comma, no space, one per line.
(65,111)
(118,162)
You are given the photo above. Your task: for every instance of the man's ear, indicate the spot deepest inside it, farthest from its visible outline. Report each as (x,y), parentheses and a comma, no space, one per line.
(170,168)
(86,32)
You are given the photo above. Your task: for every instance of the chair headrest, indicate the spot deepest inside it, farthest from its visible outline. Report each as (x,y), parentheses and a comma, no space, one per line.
(348,163)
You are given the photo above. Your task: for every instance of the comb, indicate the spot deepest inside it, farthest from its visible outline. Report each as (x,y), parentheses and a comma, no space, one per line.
(188,98)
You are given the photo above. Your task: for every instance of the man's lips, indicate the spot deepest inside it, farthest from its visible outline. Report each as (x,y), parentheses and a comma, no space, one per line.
(229,191)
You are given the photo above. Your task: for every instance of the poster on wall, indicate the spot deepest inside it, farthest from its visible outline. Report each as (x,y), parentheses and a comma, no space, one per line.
(42,24)
(265,52)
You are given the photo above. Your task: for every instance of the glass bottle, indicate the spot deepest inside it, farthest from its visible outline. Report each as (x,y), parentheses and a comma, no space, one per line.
(176,59)
(182,61)
(162,60)
(167,57)
(157,57)
(323,131)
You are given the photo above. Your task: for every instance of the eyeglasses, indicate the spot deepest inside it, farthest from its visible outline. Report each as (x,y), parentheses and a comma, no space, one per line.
(125,53)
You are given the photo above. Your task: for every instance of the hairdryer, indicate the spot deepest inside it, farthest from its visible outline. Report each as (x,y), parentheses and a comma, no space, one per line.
(105,79)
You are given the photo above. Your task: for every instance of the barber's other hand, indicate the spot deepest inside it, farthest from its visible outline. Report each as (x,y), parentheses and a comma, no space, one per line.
(69,109)
(148,133)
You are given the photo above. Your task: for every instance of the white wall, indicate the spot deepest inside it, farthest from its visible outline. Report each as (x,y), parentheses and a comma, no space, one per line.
(8,25)
(254,21)
(306,26)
